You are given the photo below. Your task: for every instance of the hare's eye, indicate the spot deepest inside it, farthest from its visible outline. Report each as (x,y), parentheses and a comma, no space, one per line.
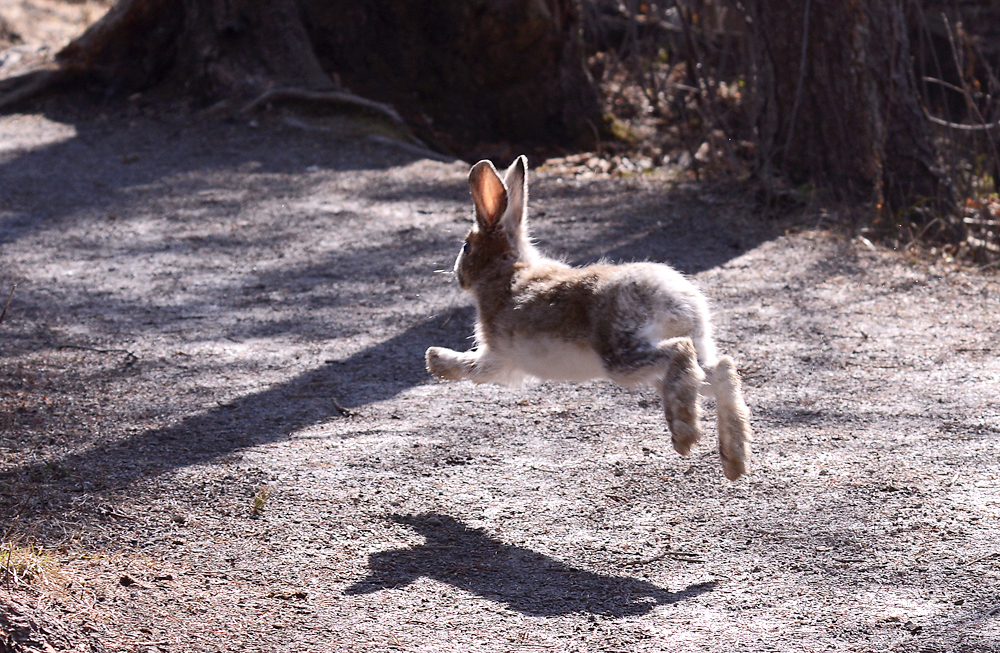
(465,247)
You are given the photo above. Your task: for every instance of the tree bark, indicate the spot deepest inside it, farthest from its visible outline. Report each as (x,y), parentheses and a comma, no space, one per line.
(483,69)
(839,106)
(463,71)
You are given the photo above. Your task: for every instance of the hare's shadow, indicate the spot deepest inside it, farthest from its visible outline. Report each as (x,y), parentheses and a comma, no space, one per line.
(528,582)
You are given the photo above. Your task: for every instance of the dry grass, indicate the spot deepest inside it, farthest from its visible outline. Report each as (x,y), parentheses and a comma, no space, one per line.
(25,564)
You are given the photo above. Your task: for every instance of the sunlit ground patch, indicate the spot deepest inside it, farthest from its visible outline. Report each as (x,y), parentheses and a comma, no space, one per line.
(26,132)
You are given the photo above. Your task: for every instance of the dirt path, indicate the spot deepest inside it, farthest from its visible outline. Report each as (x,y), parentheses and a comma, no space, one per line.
(213,317)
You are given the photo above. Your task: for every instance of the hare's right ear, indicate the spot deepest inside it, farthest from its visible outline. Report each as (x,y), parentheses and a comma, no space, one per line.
(516,181)
(488,194)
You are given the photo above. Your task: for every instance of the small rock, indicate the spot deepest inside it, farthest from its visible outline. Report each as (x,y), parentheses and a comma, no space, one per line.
(288,594)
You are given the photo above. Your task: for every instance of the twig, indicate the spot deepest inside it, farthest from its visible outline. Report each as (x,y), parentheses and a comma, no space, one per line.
(704,103)
(343,411)
(993,554)
(130,358)
(678,555)
(340,409)
(944,83)
(973,109)
(986,126)
(931,224)
(10,297)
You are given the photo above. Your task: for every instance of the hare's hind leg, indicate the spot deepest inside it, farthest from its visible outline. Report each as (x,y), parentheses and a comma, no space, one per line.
(679,391)
(733,416)
(637,358)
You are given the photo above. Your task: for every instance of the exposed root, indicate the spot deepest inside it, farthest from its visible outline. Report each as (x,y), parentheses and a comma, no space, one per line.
(335,97)
(26,86)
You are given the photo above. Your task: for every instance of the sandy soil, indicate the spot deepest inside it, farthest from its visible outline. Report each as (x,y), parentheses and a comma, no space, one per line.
(32,31)
(216,421)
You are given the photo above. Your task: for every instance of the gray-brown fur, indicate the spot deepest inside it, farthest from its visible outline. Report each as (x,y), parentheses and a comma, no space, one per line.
(679,391)
(634,324)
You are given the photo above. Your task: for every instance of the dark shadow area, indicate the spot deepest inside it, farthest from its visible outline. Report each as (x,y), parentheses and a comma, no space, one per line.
(375,374)
(45,186)
(528,582)
(325,296)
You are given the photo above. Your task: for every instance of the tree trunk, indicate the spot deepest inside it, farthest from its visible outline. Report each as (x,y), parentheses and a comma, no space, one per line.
(482,69)
(213,48)
(463,71)
(850,119)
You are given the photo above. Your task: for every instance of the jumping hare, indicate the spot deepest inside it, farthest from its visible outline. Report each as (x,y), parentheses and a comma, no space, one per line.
(639,323)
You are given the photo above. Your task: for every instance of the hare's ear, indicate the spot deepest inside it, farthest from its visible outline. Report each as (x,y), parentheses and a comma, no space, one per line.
(488,194)
(516,180)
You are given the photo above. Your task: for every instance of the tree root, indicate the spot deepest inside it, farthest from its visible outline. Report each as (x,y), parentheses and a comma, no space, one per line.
(336,97)
(26,86)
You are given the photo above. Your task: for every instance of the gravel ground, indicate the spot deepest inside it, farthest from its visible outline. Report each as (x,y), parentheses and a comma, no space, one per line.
(216,422)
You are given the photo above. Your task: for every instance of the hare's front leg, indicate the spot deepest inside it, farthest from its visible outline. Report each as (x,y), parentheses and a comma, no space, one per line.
(475,365)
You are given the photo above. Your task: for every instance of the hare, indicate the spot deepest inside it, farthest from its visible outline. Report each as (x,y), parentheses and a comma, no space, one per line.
(638,323)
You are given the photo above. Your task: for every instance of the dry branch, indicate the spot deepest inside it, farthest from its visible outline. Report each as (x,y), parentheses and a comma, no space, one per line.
(7,305)
(954,125)
(973,109)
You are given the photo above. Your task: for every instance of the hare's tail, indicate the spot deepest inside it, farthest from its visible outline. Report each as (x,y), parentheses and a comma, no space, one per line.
(733,415)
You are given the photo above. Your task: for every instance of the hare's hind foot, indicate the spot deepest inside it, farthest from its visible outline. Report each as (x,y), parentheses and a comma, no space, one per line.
(734,449)
(734,419)
(685,427)
(679,391)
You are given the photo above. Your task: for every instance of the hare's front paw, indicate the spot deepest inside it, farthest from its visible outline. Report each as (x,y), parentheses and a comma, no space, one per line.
(444,364)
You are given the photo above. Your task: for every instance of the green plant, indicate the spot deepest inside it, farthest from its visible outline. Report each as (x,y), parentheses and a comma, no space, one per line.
(260,498)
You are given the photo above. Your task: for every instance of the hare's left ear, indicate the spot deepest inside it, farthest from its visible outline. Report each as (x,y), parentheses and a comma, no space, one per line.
(516,180)
(488,194)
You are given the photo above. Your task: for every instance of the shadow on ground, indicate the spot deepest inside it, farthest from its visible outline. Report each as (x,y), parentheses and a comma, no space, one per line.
(106,166)
(528,582)
(374,374)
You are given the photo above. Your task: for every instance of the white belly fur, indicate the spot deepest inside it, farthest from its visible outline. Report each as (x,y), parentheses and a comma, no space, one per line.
(554,359)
